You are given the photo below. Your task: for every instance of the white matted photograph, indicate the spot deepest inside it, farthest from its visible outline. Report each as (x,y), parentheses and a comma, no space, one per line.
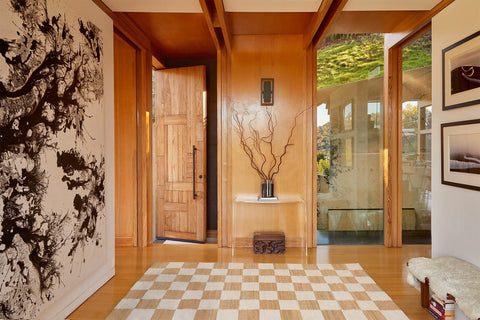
(461,154)
(461,73)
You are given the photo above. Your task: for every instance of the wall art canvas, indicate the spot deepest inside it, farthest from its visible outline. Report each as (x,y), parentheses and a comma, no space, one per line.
(461,154)
(56,102)
(461,73)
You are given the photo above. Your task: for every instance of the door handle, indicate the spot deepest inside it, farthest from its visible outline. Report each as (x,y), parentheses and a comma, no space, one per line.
(194,152)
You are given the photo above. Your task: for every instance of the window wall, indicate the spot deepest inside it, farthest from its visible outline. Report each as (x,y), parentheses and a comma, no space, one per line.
(416,140)
(350,139)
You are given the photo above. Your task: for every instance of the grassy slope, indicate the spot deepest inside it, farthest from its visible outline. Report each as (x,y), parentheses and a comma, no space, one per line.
(348,58)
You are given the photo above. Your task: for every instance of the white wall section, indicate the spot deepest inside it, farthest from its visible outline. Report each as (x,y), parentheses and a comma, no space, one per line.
(455,211)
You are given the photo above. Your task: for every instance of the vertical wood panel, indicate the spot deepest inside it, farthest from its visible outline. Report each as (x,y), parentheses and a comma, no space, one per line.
(311,147)
(223,71)
(392,146)
(283,58)
(144,158)
(125,61)
(148,171)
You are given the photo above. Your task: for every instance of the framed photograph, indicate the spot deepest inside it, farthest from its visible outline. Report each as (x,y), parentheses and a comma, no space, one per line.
(461,154)
(461,73)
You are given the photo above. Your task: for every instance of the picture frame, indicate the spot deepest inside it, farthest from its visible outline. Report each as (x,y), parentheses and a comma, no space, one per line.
(461,73)
(461,154)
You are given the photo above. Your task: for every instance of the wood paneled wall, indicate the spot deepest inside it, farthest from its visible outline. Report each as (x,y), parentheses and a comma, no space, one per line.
(125,64)
(283,58)
(133,213)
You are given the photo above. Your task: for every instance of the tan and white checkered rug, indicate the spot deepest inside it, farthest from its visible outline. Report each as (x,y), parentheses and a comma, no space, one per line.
(179,290)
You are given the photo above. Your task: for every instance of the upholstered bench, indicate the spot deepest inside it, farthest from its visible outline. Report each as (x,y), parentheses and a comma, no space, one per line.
(447,277)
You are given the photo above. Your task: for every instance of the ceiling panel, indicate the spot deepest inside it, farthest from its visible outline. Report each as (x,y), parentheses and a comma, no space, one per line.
(271,5)
(372,21)
(185,6)
(177,35)
(268,22)
(390,5)
(193,6)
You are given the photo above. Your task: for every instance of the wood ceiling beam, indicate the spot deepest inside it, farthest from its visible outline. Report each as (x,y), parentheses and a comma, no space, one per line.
(324,25)
(227,37)
(315,22)
(208,10)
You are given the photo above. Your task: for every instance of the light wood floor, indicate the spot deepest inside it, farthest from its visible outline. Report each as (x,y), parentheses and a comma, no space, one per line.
(385,266)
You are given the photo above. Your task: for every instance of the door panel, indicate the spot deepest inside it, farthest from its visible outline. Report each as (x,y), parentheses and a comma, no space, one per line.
(180,124)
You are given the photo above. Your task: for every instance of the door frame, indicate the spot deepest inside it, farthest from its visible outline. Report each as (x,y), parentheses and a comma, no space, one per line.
(393,86)
(143,215)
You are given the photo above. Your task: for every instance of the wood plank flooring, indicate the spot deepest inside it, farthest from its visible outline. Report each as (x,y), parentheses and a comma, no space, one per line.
(385,266)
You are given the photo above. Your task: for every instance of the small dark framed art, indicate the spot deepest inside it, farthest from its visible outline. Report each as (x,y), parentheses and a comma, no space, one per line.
(461,154)
(461,73)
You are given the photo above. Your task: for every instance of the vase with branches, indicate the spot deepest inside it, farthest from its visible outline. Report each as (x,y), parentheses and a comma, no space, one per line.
(258,144)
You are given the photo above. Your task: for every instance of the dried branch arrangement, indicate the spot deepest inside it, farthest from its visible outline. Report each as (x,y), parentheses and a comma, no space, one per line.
(259,146)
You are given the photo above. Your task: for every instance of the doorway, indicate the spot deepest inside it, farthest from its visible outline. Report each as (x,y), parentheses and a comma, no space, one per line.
(209,177)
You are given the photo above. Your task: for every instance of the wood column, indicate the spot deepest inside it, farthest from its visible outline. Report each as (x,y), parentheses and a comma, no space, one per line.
(310,142)
(223,160)
(392,144)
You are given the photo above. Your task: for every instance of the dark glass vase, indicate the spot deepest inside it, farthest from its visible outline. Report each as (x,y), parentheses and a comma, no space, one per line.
(267,188)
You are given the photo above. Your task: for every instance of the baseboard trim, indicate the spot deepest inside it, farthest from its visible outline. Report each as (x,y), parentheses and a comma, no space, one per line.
(87,293)
(89,288)
(124,242)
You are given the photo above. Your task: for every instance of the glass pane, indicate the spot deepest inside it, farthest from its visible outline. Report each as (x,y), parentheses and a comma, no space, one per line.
(416,141)
(350,139)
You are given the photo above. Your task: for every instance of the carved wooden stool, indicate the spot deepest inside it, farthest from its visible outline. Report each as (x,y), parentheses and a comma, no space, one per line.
(269,242)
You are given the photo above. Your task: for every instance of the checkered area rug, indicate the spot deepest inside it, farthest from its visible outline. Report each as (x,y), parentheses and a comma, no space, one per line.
(178,290)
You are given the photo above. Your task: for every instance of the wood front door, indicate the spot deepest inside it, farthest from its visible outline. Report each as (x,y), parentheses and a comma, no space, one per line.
(180,155)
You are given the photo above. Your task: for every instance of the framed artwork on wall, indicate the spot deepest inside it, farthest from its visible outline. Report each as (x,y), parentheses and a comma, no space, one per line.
(56,156)
(461,73)
(461,154)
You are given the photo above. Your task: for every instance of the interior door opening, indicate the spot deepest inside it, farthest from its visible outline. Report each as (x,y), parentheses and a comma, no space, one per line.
(179,206)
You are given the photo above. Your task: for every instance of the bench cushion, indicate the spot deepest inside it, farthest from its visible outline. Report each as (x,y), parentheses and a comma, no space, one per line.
(454,276)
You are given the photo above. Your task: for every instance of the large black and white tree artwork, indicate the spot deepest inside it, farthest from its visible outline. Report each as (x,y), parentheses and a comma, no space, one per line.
(52,168)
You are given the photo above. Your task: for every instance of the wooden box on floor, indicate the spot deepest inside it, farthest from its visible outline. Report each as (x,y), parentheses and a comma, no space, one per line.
(269,242)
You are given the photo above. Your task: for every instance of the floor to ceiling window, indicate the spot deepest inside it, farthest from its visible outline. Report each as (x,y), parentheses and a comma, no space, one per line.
(350,139)
(416,140)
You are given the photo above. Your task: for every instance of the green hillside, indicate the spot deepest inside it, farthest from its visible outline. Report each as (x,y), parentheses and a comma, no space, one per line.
(345,58)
